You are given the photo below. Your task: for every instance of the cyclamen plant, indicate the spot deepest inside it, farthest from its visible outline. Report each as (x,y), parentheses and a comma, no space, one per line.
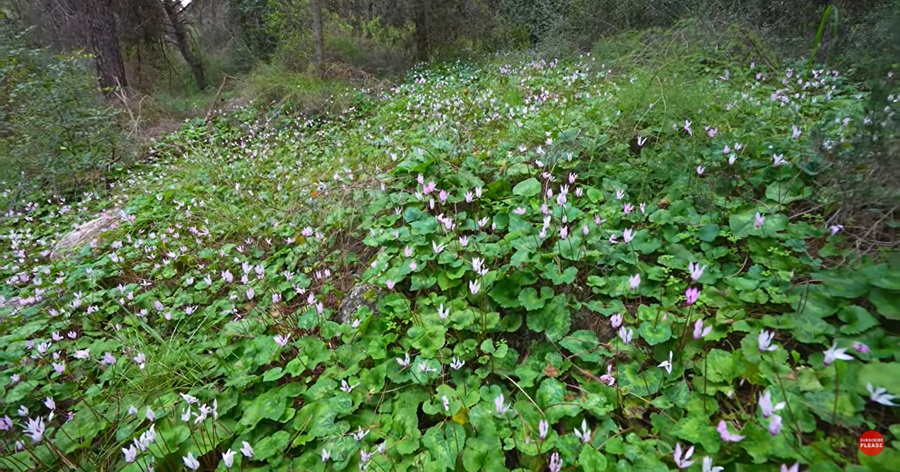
(490,282)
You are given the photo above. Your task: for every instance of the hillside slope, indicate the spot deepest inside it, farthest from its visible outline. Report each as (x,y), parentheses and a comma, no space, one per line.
(551,264)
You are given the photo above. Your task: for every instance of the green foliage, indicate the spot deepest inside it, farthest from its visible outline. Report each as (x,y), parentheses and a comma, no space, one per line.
(294,92)
(481,333)
(55,129)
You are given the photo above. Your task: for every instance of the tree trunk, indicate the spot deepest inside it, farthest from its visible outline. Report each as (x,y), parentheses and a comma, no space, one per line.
(423,32)
(96,24)
(318,38)
(181,40)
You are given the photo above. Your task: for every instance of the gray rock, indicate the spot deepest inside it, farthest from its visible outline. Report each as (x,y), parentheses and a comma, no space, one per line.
(360,295)
(87,232)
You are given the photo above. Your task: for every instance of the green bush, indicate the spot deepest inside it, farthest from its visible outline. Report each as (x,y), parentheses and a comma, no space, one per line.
(275,86)
(55,130)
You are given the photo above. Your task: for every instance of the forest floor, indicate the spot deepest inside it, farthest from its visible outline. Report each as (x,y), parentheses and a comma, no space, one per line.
(584,266)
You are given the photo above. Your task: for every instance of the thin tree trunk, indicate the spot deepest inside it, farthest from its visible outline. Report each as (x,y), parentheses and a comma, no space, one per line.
(181,40)
(316,6)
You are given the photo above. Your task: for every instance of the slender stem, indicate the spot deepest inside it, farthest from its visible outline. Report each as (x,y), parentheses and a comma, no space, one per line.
(837,384)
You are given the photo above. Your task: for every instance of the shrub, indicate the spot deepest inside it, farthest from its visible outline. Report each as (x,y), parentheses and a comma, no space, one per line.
(55,130)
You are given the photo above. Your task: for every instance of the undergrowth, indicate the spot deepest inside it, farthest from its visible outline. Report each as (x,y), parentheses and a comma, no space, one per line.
(556,264)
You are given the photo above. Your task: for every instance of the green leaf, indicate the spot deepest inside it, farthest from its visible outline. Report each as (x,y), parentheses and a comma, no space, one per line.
(783,192)
(590,459)
(271,445)
(505,292)
(444,442)
(553,320)
(530,300)
(584,345)
(857,319)
(887,302)
(708,233)
(527,188)
(551,396)
(552,273)
(721,366)
(655,333)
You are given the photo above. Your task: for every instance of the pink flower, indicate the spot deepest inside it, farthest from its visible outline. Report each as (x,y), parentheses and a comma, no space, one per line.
(616,320)
(627,208)
(442,196)
(726,435)
(767,406)
(687,127)
(608,378)
(389,284)
(861,347)
(700,331)
(758,220)
(775,425)
(691,295)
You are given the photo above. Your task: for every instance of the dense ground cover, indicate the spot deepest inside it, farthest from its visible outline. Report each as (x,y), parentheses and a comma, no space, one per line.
(560,265)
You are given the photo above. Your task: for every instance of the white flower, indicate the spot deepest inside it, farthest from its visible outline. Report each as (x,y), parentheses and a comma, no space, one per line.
(682,458)
(360,434)
(626,334)
(405,361)
(880,395)
(543,429)
(325,454)
(130,453)
(457,363)
(584,433)
(282,340)
(834,353)
(228,458)
(764,341)
(190,461)
(696,270)
(345,387)
(667,365)
(246,450)
(474,286)
(34,429)
(500,406)
(708,465)
(442,312)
